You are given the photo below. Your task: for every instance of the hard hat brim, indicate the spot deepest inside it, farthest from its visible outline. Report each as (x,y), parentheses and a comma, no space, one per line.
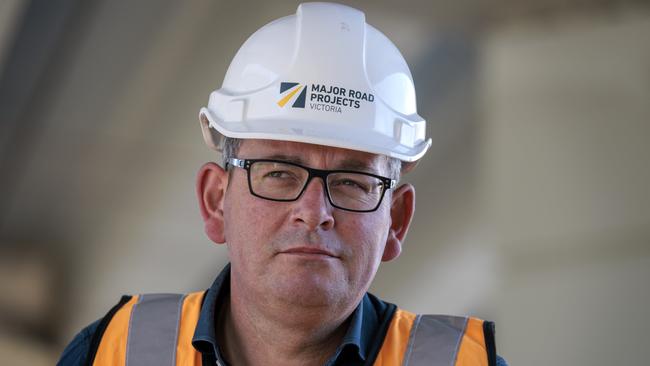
(312,133)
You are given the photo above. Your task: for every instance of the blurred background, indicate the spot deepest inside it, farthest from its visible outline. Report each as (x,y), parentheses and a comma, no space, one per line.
(533,207)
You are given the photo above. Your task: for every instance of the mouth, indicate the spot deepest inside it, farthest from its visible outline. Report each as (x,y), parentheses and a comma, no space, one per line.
(309,252)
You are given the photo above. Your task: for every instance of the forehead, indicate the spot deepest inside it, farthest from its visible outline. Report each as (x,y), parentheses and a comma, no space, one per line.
(313,155)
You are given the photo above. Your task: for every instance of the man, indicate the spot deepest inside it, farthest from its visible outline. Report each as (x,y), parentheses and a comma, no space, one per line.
(316,121)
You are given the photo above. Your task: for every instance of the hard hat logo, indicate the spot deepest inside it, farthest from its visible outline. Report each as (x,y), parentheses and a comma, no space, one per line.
(322,97)
(291,90)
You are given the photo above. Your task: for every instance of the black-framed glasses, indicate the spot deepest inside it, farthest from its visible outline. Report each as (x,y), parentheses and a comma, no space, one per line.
(283,181)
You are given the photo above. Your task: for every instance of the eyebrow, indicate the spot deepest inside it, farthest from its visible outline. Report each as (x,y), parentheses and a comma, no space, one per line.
(347,164)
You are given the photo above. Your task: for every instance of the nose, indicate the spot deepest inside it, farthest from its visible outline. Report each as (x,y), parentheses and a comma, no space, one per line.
(312,208)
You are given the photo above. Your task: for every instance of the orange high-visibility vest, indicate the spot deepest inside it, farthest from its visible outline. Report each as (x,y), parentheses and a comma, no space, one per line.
(157,329)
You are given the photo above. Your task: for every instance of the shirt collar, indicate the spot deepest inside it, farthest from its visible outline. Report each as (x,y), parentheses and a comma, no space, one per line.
(205,336)
(354,336)
(363,321)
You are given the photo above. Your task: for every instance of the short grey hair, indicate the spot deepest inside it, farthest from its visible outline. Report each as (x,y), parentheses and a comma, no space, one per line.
(231,148)
(394,168)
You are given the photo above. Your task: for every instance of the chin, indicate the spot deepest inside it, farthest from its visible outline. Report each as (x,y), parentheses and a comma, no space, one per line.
(312,290)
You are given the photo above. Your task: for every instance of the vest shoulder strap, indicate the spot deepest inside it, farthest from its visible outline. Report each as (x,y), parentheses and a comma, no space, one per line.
(437,340)
(101,328)
(153,329)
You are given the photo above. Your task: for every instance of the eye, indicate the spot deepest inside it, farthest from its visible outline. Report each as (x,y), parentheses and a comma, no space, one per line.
(279,174)
(351,184)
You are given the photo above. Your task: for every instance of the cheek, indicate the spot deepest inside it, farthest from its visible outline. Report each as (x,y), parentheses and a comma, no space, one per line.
(366,239)
(248,223)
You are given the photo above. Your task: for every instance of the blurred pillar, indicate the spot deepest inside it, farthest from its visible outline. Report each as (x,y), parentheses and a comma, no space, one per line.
(565,179)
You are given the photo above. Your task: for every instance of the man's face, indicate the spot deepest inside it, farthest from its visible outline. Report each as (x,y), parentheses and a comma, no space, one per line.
(305,252)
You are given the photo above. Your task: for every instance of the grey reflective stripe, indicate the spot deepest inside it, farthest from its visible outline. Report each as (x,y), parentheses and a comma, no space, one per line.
(434,340)
(153,330)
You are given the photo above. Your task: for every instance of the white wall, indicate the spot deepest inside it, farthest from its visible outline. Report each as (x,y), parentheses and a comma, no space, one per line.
(566,170)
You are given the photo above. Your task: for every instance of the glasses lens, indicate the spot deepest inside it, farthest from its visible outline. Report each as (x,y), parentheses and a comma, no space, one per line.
(354,191)
(276,180)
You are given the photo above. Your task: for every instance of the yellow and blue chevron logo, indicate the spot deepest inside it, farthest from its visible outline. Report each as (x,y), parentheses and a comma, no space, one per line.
(289,91)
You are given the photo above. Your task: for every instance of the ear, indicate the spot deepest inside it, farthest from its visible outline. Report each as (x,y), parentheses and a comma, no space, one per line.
(401,213)
(211,185)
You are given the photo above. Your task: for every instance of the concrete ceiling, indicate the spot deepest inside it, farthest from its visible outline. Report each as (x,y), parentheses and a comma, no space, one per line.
(88,86)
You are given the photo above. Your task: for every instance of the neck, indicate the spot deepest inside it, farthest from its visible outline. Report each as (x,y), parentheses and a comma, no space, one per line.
(263,333)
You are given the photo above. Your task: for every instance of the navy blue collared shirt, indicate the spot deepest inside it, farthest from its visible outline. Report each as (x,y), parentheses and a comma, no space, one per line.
(362,339)
(364,322)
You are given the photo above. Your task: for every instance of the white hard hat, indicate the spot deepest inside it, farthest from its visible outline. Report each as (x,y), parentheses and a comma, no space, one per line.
(322,76)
